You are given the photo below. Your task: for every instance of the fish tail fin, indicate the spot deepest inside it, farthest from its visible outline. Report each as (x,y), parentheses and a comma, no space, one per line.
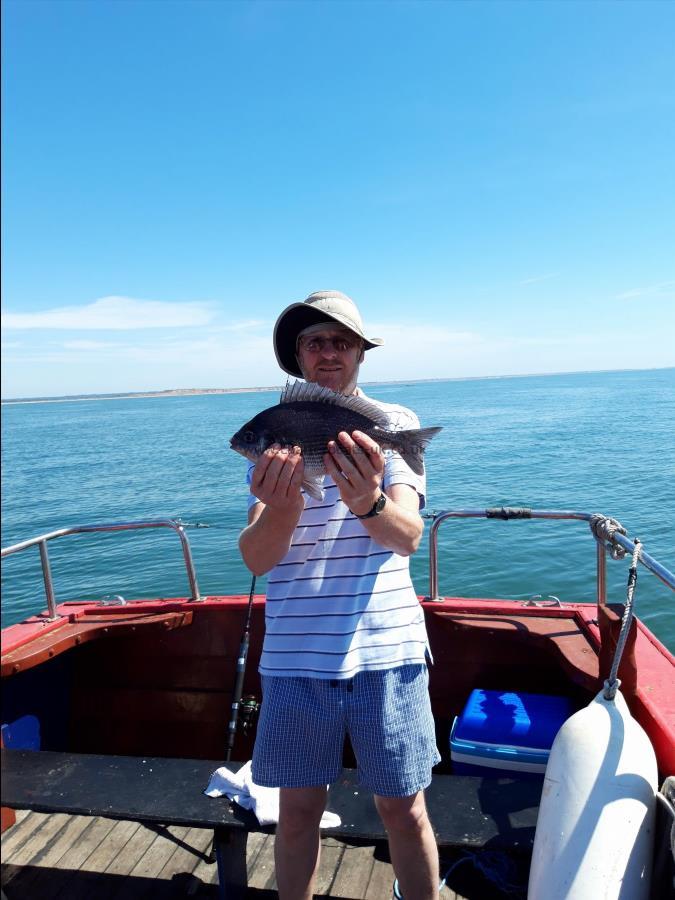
(412,443)
(313,485)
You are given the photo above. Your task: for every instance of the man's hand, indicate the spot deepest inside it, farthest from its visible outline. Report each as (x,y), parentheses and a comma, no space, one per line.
(277,478)
(276,482)
(357,472)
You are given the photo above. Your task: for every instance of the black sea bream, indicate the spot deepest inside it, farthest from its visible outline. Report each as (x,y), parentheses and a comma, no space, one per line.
(309,416)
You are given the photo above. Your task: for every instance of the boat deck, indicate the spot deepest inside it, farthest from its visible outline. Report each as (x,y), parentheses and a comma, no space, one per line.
(70,857)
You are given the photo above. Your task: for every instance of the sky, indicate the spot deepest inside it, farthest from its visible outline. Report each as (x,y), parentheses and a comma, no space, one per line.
(492,183)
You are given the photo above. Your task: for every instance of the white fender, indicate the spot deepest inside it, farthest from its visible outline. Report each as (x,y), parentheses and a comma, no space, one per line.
(595,830)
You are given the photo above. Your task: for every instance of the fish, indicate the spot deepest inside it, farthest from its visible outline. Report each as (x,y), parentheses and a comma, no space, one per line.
(309,416)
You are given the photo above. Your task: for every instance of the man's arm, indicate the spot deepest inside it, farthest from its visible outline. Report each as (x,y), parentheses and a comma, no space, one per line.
(276,481)
(358,474)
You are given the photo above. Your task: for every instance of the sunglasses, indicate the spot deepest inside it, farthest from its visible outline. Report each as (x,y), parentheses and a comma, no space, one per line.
(340,344)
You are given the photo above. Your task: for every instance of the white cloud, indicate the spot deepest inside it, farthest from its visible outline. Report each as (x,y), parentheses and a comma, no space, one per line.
(89,345)
(240,355)
(113,314)
(538,278)
(246,325)
(665,289)
(410,336)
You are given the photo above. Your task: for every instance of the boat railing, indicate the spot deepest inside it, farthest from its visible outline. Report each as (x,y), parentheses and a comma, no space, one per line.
(609,535)
(41,542)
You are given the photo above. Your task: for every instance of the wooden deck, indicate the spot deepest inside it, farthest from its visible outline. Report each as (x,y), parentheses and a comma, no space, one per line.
(45,857)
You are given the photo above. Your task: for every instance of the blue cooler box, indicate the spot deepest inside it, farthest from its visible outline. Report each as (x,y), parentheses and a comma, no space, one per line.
(506,733)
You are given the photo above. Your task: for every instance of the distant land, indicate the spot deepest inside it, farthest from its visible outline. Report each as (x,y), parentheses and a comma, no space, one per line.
(138,395)
(187,392)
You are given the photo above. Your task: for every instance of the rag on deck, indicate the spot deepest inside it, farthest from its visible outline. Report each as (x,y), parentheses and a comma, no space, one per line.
(240,787)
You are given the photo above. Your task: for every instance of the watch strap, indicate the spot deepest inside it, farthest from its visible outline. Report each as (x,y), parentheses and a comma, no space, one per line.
(376,508)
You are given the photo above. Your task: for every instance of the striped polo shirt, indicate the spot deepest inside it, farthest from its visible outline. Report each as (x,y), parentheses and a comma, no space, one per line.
(339,603)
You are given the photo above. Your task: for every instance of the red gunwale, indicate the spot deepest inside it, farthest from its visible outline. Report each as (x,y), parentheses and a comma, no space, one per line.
(653,703)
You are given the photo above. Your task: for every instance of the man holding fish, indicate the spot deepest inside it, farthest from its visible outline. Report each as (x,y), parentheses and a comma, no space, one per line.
(337,484)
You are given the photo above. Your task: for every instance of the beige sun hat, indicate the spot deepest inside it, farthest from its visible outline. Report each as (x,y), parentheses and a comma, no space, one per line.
(319,307)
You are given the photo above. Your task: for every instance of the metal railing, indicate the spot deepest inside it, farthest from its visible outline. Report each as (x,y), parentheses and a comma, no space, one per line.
(614,539)
(41,542)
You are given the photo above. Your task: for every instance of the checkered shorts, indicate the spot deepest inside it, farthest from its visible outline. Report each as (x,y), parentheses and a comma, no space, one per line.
(387,715)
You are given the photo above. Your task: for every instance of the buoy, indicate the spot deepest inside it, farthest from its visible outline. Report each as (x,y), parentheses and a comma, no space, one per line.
(595,830)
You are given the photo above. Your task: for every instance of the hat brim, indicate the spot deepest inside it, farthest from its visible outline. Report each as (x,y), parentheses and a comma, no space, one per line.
(294,319)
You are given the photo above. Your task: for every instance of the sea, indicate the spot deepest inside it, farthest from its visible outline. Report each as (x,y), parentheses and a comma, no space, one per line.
(589,442)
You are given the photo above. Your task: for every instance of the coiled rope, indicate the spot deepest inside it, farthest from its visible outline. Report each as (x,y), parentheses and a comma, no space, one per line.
(604,528)
(495,865)
(613,683)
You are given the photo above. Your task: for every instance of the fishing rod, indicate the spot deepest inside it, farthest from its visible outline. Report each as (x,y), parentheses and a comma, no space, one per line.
(247,707)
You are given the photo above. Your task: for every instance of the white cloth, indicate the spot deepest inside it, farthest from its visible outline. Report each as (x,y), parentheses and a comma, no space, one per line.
(240,787)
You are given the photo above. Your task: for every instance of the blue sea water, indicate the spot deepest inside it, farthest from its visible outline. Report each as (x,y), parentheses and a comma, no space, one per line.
(593,442)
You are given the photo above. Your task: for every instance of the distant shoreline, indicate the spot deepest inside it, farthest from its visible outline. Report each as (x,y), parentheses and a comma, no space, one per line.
(192,392)
(139,395)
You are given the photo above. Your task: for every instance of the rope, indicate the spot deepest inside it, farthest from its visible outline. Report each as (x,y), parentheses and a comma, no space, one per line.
(494,865)
(613,683)
(604,528)
(497,867)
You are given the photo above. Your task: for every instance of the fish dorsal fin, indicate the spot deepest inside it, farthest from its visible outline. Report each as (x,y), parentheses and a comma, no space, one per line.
(301,390)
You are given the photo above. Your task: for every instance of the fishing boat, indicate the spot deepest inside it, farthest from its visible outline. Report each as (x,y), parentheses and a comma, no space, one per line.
(533,700)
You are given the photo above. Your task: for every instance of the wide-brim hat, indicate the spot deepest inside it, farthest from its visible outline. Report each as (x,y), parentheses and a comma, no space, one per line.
(319,307)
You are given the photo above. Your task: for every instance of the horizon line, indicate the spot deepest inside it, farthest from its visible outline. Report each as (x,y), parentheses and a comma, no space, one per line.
(172,392)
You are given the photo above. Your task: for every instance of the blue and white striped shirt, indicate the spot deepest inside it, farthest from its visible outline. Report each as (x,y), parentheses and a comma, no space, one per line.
(339,603)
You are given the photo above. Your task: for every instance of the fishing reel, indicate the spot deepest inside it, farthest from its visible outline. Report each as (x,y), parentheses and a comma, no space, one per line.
(248,712)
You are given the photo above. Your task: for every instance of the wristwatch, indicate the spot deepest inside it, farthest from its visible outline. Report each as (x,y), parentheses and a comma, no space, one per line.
(376,508)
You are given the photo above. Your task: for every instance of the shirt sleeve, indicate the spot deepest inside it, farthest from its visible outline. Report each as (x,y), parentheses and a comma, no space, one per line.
(396,470)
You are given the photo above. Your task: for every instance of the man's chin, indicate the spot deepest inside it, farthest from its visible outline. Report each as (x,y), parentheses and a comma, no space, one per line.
(332,380)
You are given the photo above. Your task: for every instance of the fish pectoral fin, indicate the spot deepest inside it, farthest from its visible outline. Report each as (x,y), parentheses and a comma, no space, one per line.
(313,485)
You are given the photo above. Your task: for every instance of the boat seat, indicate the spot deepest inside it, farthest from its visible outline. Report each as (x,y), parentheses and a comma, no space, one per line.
(466,811)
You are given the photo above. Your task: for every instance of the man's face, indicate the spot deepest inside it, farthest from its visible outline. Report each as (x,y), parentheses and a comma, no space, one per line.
(331,357)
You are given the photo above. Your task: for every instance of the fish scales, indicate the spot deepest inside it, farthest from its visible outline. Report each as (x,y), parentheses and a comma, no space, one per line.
(311,425)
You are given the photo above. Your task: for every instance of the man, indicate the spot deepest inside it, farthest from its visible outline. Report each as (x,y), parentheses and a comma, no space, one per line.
(345,645)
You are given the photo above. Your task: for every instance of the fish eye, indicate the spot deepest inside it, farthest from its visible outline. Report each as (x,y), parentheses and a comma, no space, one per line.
(249,437)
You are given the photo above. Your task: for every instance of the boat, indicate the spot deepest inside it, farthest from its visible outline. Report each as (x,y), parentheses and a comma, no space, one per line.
(176,678)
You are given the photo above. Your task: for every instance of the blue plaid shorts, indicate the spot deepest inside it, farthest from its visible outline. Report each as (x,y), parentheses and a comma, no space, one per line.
(387,715)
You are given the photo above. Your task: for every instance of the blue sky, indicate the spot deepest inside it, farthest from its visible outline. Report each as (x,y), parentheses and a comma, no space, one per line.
(493,183)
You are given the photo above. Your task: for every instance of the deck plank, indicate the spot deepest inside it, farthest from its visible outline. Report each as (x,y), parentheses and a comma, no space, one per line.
(44,828)
(254,846)
(61,857)
(28,880)
(354,871)
(118,838)
(160,852)
(77,855)
(21,831)
(331,857)
(262,875)
(124,862)
(196,843)
(92,870)
(146,870)
(381,880)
